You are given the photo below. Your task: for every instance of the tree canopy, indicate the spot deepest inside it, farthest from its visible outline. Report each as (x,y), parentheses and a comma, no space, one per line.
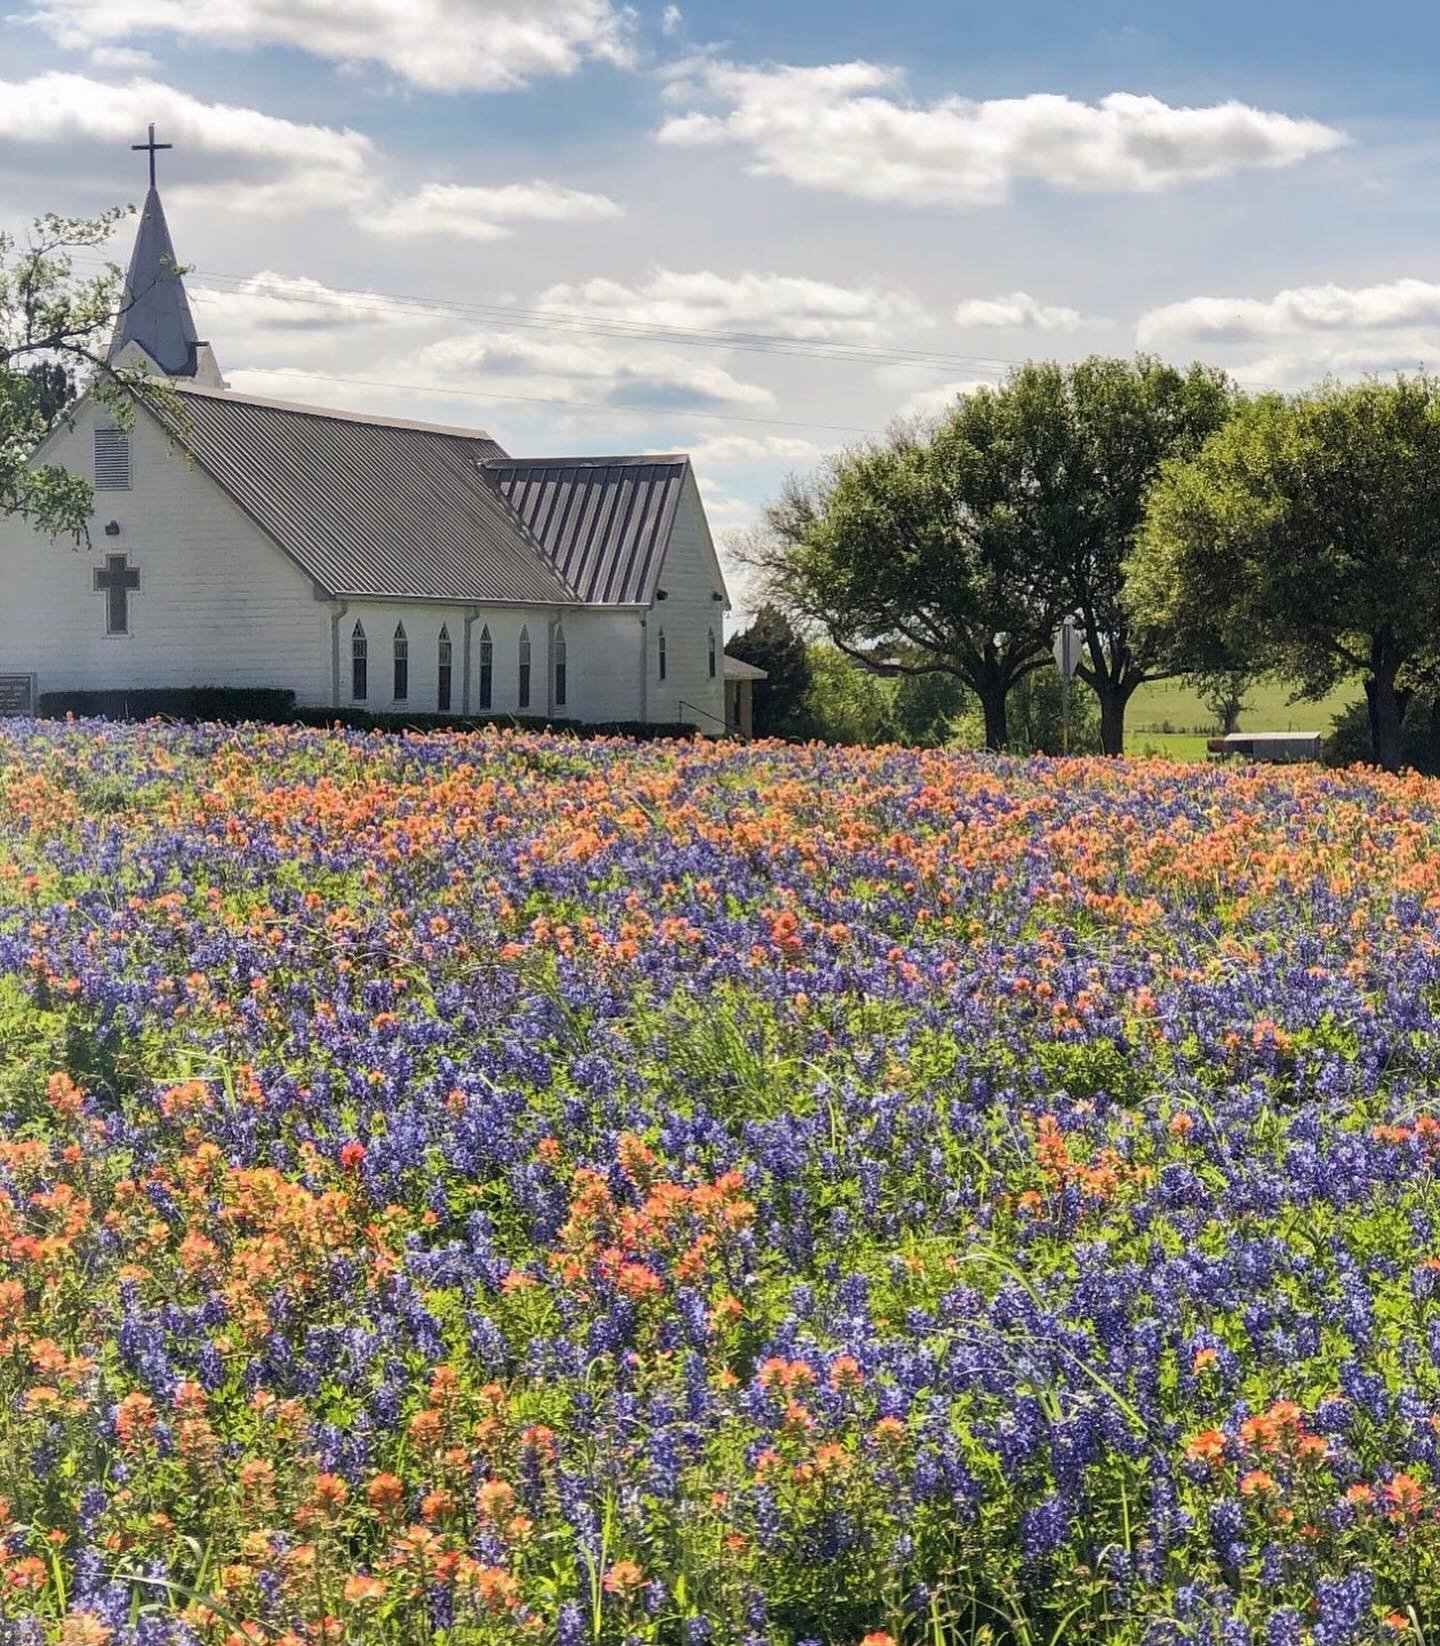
(774,644)
(914,555)
(958,547)
(53,327)
(1306,535)
(1100,431)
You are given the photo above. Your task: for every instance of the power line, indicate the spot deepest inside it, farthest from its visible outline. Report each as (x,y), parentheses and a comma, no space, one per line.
(444,392)
(579,322)
(615,327)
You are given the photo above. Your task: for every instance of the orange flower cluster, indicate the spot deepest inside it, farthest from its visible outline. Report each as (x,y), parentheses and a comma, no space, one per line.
(675,1232)
(1100,1180)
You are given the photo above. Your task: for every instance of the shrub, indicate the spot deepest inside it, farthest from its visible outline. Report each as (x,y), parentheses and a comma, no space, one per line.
(226,703)
(1348,742)
(276,706)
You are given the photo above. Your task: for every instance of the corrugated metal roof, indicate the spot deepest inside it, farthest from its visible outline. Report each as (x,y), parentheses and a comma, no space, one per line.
(366,506)
(603,521)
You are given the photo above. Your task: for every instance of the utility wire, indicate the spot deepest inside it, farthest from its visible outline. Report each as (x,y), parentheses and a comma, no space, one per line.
(610,327)
(443,391)
(577,322)
(599,325)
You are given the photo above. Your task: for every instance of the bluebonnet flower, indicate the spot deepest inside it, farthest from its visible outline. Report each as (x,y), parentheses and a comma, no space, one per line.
(1044,1530)
(1343,1605)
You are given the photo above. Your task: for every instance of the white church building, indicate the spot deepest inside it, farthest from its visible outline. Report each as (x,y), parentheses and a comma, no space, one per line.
(359,561)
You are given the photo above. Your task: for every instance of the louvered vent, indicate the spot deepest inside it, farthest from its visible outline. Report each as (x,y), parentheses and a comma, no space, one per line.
(112,460)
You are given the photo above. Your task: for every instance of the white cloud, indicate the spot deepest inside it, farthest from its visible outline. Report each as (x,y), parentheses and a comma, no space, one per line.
(727,450)
(1017,309)
(756,463)
(271,310)
(1305,332)
(933,401)
(849,128)
(121,60)
(244,160)
(1375,357)
(472,213)
(728,514)
(620,375)
(440,45)
(1297,312)
(671,19)
(249,160)
(368,394)
(787,305)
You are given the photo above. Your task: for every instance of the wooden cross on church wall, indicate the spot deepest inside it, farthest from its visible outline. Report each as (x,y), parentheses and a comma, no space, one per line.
(117,583)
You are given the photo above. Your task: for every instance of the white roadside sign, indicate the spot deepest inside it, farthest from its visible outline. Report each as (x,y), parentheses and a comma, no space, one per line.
(1067,649)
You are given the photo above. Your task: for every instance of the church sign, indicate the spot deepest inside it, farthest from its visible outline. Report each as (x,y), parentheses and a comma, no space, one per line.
(17,694)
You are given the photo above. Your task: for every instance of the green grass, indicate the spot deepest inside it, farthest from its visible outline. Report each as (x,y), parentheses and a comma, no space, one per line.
(1172,745)
(1171,705)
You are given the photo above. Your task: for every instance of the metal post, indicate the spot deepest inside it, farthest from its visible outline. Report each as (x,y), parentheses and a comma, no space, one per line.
(1066,660)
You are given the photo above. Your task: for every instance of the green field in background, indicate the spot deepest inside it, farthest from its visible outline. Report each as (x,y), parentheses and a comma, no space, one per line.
(1172,745)
(1267,709)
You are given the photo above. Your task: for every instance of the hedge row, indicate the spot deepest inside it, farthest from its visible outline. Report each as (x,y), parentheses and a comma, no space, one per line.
(237,703)
(229,703)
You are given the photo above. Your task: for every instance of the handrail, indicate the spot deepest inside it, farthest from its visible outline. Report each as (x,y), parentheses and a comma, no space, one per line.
(729,730)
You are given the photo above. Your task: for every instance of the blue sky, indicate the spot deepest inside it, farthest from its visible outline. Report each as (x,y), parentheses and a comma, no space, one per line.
(553,218)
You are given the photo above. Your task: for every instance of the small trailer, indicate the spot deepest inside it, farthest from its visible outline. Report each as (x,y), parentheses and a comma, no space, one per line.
(1268,746)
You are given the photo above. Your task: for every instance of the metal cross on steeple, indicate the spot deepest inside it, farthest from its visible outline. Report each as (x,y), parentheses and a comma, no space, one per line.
(152,147)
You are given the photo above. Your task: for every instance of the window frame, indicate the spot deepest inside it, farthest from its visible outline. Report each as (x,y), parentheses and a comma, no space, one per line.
(444,669)
(523,694)
(561,667)
(487,668)
(400,679)
(359,664)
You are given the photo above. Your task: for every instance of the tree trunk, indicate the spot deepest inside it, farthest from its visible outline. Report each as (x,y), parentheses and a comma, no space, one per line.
(1112,719)
(997,727)
(1387,710)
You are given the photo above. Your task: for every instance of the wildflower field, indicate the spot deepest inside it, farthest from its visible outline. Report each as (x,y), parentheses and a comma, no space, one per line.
(496,1189)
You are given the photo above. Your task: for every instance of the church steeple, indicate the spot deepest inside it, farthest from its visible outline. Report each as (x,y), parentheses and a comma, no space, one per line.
(155,313)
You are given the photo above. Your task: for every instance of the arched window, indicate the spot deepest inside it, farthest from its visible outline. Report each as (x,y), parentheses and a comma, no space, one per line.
(487,668)
(661,658)
(444,655)
(525,668)
(712,654)
(559,667)
(402,664)
(358,662)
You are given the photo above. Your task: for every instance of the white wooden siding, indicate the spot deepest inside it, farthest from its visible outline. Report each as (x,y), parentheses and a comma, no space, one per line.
(690,576)
(602,665)
(218,603)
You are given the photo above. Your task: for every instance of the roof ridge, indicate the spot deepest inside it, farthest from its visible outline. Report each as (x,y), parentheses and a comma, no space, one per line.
(338,414)
(636,458)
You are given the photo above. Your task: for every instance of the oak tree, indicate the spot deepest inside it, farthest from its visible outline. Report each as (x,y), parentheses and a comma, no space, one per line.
(1306,534)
